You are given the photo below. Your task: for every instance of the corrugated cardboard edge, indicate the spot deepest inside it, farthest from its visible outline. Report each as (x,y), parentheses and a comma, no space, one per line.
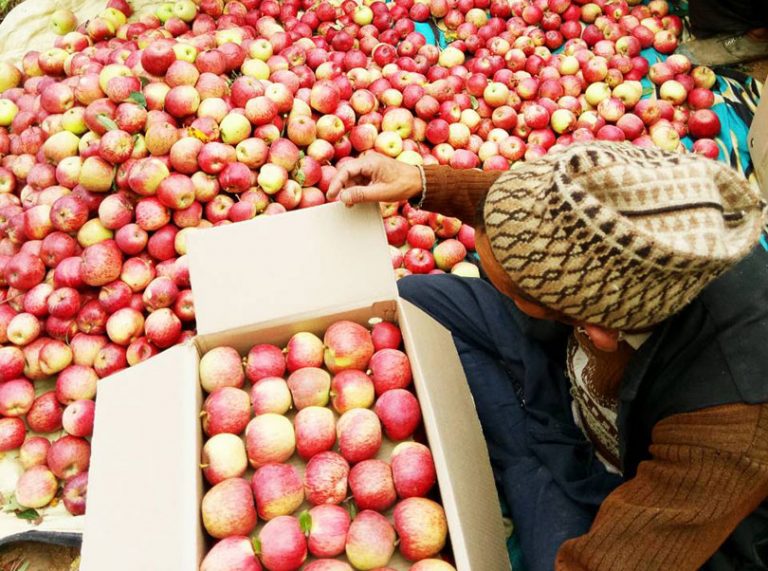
(164,418)
(758,142)
(234,268)
(468,501)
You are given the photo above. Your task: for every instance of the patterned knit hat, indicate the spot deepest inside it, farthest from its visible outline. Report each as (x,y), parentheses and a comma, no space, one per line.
(618,235)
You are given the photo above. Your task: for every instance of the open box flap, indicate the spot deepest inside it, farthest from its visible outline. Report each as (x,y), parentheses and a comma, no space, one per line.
(471,503)
(276,266)
(758,144)
(145,467)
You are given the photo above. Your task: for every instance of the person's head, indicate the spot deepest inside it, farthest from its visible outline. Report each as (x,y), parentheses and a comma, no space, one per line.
(615,236)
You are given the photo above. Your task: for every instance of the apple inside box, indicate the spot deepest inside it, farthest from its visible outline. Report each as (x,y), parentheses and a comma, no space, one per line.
(323,265)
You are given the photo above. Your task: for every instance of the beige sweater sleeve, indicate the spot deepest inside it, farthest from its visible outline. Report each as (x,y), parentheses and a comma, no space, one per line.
(708,471)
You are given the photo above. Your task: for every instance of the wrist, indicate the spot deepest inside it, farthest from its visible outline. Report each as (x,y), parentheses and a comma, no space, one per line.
(418,192)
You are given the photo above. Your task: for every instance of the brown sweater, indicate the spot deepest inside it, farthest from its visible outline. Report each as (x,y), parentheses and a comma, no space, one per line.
(708,469)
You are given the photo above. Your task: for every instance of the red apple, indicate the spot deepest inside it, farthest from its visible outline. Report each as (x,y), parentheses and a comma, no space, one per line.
(304,349)
(386,335)
(102,263)
(413,469)
(228,509)
(269,438)
(704,123)
(270,394)
(707,147)
(36,487)
(69,456)
(278,490)
(221,367)
(325,479)
(76,382)
(348,346)
(45,414)
(11,365)
(372,486)
(328,529)
(234,552)
(34,451)
(315,429)
(309,386)
(283,546)
(77,418)
(74,494)
(351,389)
(359,434)
(226,409)
(223,457)
(422,528)
(399,413)
(370,541)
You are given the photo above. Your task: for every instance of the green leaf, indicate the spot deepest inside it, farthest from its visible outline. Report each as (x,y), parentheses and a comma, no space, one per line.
(299,177)
(352,509)
(256,542)
(10,504)
(305,521)
(648,91)
(474,101)
(138,98)
(28,514)
(106,122)
(144,80)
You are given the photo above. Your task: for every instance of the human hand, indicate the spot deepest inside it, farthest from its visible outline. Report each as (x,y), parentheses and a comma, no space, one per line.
(374,178)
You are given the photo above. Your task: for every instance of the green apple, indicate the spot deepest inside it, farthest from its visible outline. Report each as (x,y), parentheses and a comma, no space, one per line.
(164,12)
(8,111)
(229,35)
(451,57)
(185,52)
(255,68)
(63,21)
(60,146)
(363,15)
(10,76)
(73,120)
(260,49)
(114,16)
(93,232)
(185,9)
(272,178)
(234,128)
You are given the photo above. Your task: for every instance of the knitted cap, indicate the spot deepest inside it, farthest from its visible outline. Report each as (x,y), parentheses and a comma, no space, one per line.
(618,235)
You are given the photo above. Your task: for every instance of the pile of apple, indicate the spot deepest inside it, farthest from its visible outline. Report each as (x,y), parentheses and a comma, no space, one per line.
(136,129)
(270,412)
(413,236)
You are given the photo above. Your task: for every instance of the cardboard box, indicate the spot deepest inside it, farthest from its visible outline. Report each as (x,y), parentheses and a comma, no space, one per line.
(758,142)
(261,282)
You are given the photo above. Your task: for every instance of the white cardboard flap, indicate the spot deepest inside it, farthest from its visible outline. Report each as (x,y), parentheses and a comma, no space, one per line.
(144,478)
(758,143)
(456,439)
(276,266)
